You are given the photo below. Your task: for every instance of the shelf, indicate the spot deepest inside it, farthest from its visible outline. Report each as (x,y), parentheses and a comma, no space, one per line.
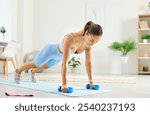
(143,72)
(144,15)
(143,49)
(143,43)
(144,29)
(143,57)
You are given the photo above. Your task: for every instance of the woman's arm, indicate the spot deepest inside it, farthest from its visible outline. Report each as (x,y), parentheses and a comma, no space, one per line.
(67,47)
(88,65)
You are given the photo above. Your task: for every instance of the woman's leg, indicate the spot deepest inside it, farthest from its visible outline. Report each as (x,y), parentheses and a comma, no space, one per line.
(26,66)
(18,71)
(33,72)
(38,69)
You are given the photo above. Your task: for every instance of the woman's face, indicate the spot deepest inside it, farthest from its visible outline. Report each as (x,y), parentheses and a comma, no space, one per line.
(91,39)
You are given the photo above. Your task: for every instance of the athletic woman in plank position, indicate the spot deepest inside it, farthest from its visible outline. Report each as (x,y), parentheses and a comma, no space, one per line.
(51,54)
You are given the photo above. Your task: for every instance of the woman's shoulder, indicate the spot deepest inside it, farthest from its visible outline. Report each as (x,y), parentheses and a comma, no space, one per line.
(69,35)
(68,39)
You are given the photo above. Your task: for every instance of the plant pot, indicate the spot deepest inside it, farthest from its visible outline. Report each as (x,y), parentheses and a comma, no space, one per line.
(124,64)
(145,40)
(73,70)
(145,68)
(147,9)
(124,58)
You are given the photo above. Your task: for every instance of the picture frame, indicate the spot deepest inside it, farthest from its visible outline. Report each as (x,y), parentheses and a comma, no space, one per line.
(95,12)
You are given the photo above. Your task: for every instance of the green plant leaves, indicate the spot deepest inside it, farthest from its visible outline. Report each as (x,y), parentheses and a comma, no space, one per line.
(145,36)
(74,62)
(116,46)
(125,46)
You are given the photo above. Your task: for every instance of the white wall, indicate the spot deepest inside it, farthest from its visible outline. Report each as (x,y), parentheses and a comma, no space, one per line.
(55,17)
(40,22)
(5,18)
(25,25)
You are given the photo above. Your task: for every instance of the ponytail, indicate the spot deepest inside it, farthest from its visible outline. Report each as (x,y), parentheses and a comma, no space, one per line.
(93,29)
(87,25)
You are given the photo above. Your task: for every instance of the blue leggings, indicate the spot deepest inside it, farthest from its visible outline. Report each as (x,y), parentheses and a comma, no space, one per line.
(48,55)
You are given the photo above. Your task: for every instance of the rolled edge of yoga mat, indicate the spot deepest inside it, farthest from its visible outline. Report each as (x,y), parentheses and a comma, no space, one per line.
(19,95)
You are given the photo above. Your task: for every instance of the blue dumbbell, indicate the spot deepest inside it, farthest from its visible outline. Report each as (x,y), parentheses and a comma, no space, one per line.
(94,87)
(69,89)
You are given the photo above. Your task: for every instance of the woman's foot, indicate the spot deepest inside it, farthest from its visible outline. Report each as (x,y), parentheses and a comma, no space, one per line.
(33,76)
(17,77)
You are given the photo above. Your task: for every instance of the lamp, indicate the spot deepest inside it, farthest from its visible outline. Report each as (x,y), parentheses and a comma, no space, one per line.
(3,31)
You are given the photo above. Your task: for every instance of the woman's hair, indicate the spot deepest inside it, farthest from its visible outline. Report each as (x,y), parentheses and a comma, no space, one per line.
(93,29)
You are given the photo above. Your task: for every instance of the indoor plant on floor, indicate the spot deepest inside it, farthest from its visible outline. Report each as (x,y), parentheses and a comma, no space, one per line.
(124,47)
(74,62)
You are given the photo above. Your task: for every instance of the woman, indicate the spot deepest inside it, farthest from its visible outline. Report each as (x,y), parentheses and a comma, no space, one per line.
(52,54)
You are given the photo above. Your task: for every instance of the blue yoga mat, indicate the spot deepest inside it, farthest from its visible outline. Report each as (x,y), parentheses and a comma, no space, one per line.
(52,88)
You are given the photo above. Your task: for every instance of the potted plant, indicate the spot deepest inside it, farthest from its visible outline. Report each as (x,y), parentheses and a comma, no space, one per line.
(148,4)
(147,7)
(145,38)
(124,47)
(74,62)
